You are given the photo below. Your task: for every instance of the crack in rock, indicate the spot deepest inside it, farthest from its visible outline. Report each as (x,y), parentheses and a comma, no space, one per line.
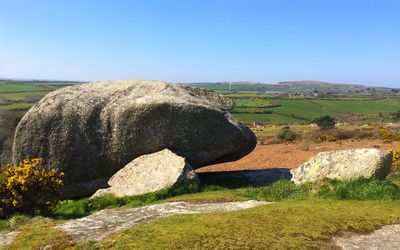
(386,238)
(97,226)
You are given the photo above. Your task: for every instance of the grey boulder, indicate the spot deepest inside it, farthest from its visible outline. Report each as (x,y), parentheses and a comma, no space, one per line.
(90,131)
(344,164)
(150,173)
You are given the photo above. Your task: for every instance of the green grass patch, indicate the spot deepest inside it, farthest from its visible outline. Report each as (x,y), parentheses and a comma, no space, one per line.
(14,223)
(82,207)
(278,191)
(16,106)
(357,189)
(360,189)
(38,233)
(394,178)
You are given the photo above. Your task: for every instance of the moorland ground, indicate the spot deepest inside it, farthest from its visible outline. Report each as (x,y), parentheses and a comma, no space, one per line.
(292,155)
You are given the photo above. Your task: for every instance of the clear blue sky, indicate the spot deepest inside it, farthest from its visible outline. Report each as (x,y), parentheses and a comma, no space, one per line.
(351,41)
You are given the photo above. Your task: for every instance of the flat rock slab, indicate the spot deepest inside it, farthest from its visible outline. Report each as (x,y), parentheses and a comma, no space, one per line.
(97,226)
(6,239)
(386,238)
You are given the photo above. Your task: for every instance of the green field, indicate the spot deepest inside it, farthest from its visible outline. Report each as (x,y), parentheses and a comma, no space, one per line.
(20,96)
(16,106)
(305,110)
(17,87)
(361,107)
(23,94)
(275,118)
(255,102)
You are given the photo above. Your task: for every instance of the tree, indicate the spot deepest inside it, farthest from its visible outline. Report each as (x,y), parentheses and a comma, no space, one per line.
(325,122)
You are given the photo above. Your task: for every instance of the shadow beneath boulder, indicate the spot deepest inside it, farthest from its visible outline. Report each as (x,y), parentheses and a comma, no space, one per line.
(245,178)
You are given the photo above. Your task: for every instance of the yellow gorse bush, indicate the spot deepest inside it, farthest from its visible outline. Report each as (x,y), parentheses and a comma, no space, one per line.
(388,136)
(325,137)
(28,187)
(396,159)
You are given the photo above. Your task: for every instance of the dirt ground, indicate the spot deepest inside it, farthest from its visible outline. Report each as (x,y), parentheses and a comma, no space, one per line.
(292,155)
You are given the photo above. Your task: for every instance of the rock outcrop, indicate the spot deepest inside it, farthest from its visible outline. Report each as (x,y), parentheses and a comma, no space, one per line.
(99,225)
(385,238)
(91,131)
(344,164)
(150,173)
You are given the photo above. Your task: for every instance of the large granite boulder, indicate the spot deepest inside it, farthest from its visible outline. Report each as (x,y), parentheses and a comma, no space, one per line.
(90,131)
(150,173)
(344,164)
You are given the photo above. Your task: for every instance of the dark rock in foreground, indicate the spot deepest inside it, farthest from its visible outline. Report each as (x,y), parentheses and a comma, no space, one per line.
(245,178)
(90,131)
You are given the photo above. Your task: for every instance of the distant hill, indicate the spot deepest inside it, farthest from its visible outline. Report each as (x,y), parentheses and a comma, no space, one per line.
(314,83)
(301,86)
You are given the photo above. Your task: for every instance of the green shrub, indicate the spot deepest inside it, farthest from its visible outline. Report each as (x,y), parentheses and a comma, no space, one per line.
(394,177)
(280,190)
(396,116)
(356,189)
(14,222)
(2,178)
(286,135)
(325,122)
(4,225)
(70,209)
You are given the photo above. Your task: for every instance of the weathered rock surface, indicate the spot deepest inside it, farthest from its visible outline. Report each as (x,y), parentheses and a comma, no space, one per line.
(8,238)
(150,173)
(97,226)
(90,131)
(386,238)
(344,164)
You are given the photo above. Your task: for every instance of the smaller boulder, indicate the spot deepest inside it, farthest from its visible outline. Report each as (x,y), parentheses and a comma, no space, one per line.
(344,164)
(149,173)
